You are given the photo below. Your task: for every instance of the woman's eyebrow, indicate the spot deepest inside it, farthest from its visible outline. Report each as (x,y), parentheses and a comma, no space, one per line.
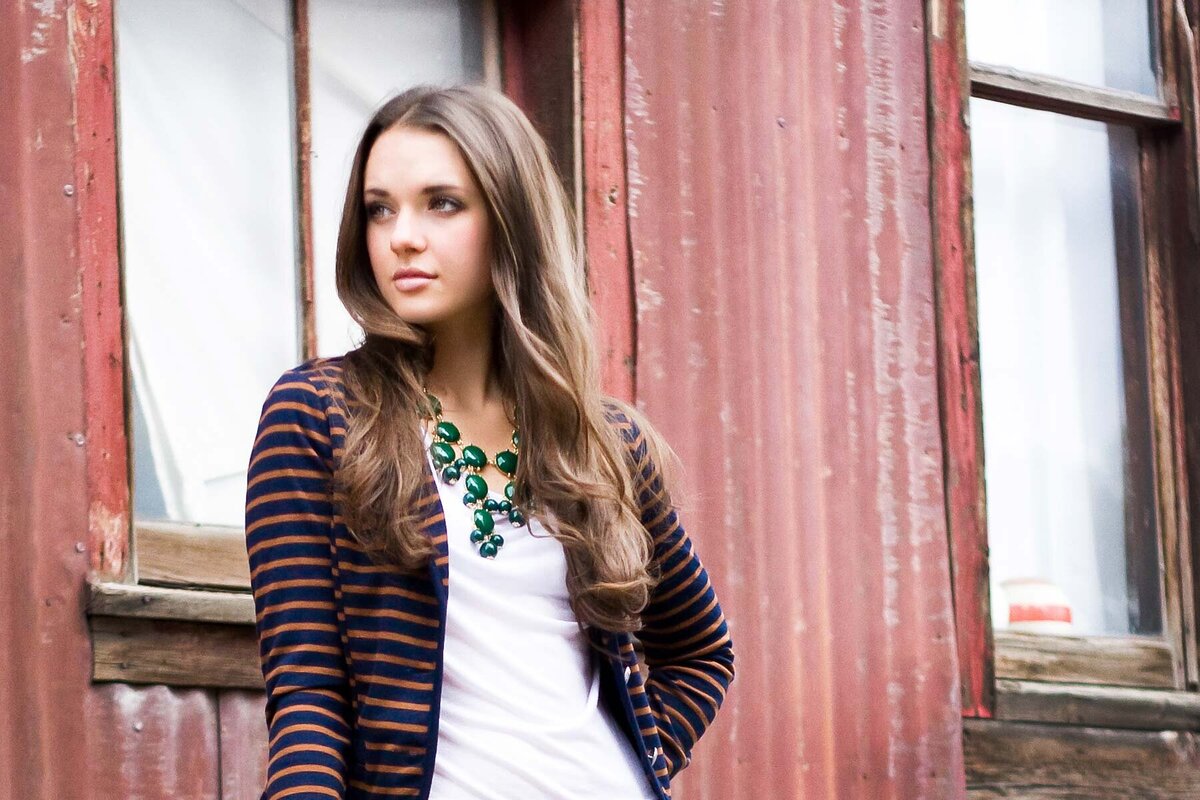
(373,191)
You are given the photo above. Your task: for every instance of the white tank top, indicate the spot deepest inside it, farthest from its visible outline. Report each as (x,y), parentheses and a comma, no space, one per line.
(520,713)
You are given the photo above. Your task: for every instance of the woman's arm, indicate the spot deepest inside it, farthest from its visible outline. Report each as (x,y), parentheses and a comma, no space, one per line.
(689,653)
(288,517)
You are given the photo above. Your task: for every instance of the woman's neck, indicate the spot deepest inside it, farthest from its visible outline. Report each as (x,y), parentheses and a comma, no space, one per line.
(463,375)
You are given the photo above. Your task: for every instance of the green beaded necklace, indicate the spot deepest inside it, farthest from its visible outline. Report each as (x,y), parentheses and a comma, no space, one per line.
(471,462)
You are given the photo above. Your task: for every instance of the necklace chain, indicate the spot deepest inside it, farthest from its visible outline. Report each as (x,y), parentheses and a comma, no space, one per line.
(467,464)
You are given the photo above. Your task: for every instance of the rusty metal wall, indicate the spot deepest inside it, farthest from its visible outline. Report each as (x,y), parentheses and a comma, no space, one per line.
(779,221)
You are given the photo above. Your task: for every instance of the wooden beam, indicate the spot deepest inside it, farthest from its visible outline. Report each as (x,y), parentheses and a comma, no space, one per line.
(1065,97)
(131,650)
(157,602)
(1097,706)
(606,224)
(961,405)
(1055,762)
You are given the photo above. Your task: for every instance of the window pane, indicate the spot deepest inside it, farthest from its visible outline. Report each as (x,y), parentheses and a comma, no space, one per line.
(208,243)
(1098,42)
(1065,409)
(362,52)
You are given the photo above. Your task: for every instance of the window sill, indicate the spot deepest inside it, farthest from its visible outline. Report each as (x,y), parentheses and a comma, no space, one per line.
(1136,662)
(1097,706)
(178,637)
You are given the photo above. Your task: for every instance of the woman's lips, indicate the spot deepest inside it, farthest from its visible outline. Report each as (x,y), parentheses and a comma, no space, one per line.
(411,281)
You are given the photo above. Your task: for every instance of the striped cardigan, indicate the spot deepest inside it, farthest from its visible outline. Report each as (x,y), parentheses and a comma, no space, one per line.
(351,651)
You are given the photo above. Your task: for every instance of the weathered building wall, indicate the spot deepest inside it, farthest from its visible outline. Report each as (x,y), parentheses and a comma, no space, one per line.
(779,223)
(779,230)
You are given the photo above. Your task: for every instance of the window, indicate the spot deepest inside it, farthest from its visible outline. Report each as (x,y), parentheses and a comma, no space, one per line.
(237,121)
(233,132)
(1058,211)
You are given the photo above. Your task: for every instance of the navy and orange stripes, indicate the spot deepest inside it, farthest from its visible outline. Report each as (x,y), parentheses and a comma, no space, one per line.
(351,651)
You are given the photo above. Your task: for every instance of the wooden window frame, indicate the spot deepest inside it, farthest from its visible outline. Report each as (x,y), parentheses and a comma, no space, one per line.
(1088,680)
(169,602)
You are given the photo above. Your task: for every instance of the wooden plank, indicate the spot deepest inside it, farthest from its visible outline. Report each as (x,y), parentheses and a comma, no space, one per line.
(157,602)
(1097,706)
(95,190)
(606,228)
(132,650)
(1008,85)
(179,554)
(1114,661)
(1180,188)
(243,749)
(1055,762)
(958,354)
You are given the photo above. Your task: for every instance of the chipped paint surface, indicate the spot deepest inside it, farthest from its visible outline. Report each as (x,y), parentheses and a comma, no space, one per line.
(779,224)
(111,530)
(47,12)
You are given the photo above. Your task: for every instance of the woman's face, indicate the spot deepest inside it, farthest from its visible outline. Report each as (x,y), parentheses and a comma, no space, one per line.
(428,230)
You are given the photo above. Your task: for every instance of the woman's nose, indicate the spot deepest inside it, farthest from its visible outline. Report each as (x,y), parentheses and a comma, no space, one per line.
(406,233)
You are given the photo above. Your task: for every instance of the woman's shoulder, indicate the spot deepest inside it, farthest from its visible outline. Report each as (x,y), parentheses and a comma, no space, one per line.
(315,383)
(323,373)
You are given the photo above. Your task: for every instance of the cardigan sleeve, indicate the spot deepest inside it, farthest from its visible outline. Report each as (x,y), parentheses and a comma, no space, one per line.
(289,514)
(688,650)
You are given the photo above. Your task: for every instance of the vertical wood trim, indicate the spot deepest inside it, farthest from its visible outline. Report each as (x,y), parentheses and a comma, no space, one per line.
(1183,249)
(538,48)
(108,480)
(1138,265)
(606,225)
(958,354)
(302,139)
(1171,483)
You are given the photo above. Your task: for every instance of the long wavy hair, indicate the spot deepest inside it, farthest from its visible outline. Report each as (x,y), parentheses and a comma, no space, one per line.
(574,463)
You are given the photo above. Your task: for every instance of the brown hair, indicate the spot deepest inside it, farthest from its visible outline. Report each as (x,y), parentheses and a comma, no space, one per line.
(574,462)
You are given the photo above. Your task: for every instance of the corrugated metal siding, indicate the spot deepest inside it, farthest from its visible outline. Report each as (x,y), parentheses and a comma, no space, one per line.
(779,221)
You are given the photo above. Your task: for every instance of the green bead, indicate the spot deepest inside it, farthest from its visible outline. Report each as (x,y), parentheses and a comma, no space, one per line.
(474,456)
(506,462)
(490,505)
(477,536)
(434,404)
(516,517)
(442,453)
(497,540)
(460,463)
(516,439)
(509,490)
(484,521)
(447,431)
(469,498)
(451,474)
(477,486)
(488,550)
(504,506)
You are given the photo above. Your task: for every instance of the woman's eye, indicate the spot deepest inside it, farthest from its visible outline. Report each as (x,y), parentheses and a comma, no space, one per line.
(444,204)
(376,210)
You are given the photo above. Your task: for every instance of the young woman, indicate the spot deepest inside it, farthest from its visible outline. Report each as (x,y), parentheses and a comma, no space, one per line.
(453,535)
